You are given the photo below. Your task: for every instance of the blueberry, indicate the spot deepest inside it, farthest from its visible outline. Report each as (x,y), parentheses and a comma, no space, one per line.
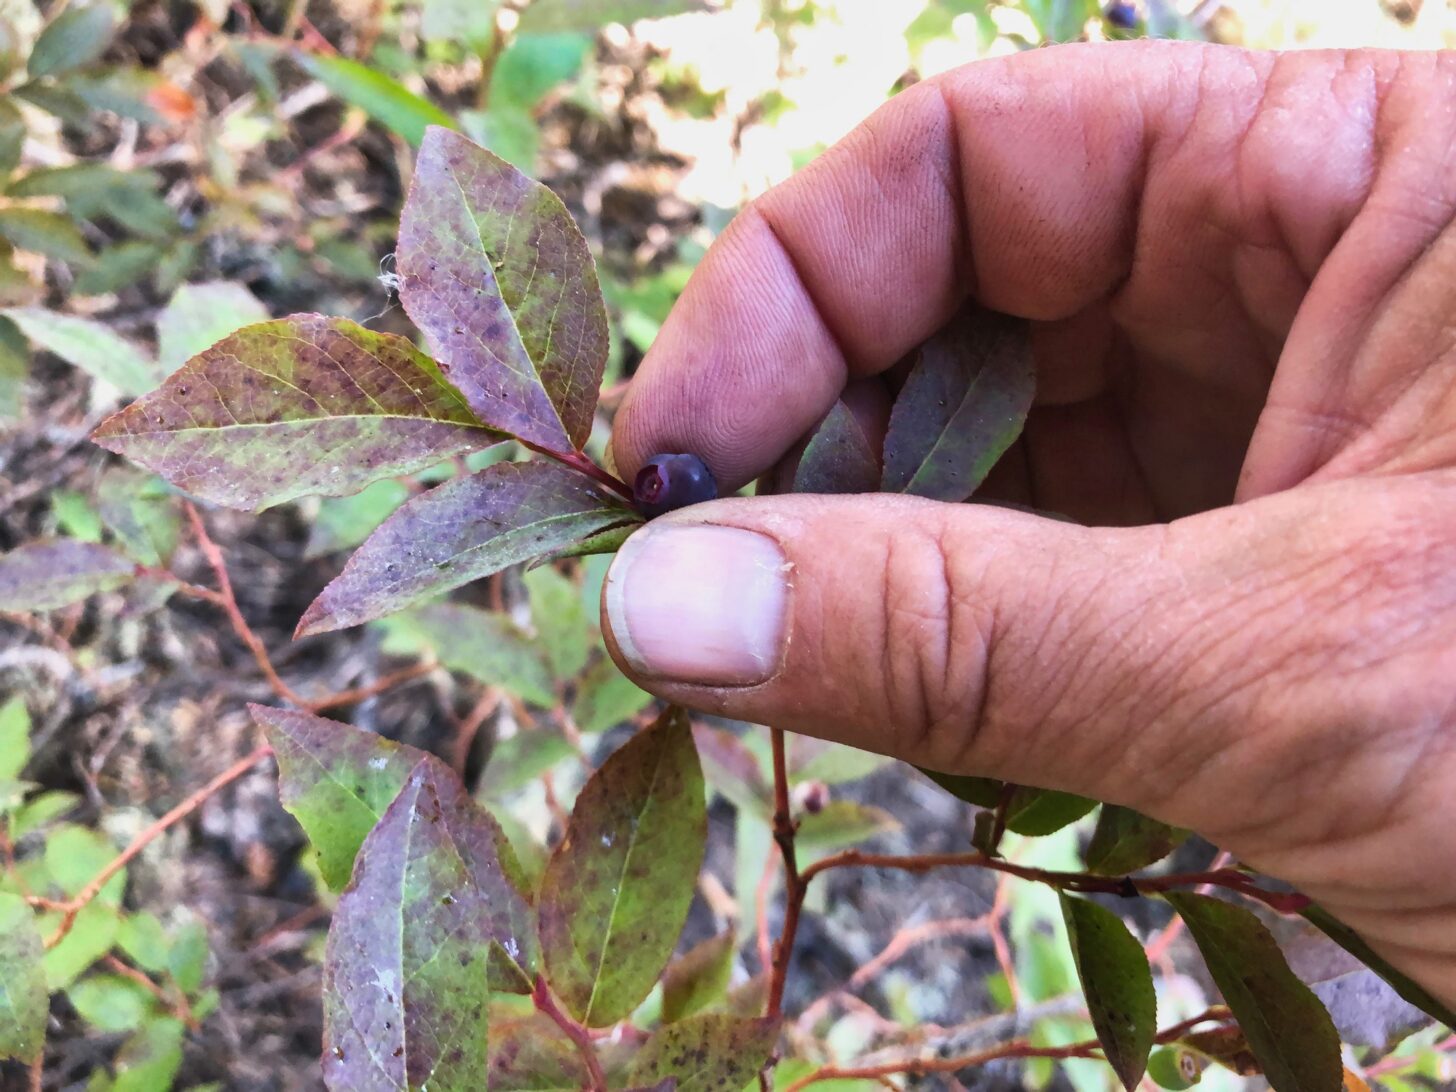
(668,482)
(1122,14)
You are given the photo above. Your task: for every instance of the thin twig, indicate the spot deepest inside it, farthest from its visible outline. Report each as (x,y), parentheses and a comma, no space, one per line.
(370,690)
(795,885)
(71,907)
(229,603)
(1126,886)
(1018,1048)
(579,462)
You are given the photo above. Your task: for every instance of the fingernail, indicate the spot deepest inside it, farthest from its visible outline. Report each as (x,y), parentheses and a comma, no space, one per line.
(699,604)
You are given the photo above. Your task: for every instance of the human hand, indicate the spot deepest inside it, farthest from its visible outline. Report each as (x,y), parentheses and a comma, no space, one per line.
(1241,271)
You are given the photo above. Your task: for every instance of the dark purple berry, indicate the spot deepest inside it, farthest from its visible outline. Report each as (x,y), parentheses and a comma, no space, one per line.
(668,482)
(1122,14)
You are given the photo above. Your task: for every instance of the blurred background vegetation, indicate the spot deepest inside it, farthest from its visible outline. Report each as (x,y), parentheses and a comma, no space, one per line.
(173,169)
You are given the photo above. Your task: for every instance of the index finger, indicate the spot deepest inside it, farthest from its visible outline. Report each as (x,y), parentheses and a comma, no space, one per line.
(1030,182)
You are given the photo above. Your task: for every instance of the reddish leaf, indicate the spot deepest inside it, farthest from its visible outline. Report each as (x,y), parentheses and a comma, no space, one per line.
(336,780)
(1118,984)
(303,405)
(432,922)
(698,978)
(962,406)
(617,889)
(711,1053)
(1287,1028)
(530,1054)
(1126,840)
(839,459)
(497,275)
(460,531)
(58,572)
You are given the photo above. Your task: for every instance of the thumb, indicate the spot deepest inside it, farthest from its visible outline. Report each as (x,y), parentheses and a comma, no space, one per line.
(1124,664)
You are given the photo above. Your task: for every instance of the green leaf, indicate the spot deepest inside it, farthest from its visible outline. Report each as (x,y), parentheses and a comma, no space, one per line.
(40,810)
(43,232)
(962,405)
(482,644)
(517,761)
(57,99)
(300,405)
(498,277)
(14,360)
(605,698)
(14,738)
(698,978)
(433,920)
(110,1003)
(1125,841)
(12,135)
(1287,1028)
(344,522)
(1032,812)
(89,346)
(24,998)
(843,823)
(617,889)
(198,316)
(117,267)
(71,40)
(382,98)
(557,15)
(1118,984)
(507,131)
(1352,942)
(144,941)
(465,529)
(839,459)
(562,627)
(143,514)
(716,1052)
(469,22)
(335,779)
(57,572)
(531,66)
(90,938)
(832,763)
(1039,812)
(150,1059)
(187,960)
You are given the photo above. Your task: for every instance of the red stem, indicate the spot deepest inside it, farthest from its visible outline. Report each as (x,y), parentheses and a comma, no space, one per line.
(795,884)
(546,1005)
(579,462)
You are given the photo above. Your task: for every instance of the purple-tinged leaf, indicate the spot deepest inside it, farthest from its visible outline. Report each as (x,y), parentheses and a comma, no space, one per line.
(302,405)
(498,277)
(1125,841)
(460,531)
(57,572)
(604,542)
(698,978)
(432,922)
(839,459)
(1118,984)
(710,1053)
(961,407)
(336,780)
(1353,943)
(530,1054)
(1287,1028)
(617,889)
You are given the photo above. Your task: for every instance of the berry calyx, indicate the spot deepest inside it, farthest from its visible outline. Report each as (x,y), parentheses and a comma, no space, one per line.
(668,482)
